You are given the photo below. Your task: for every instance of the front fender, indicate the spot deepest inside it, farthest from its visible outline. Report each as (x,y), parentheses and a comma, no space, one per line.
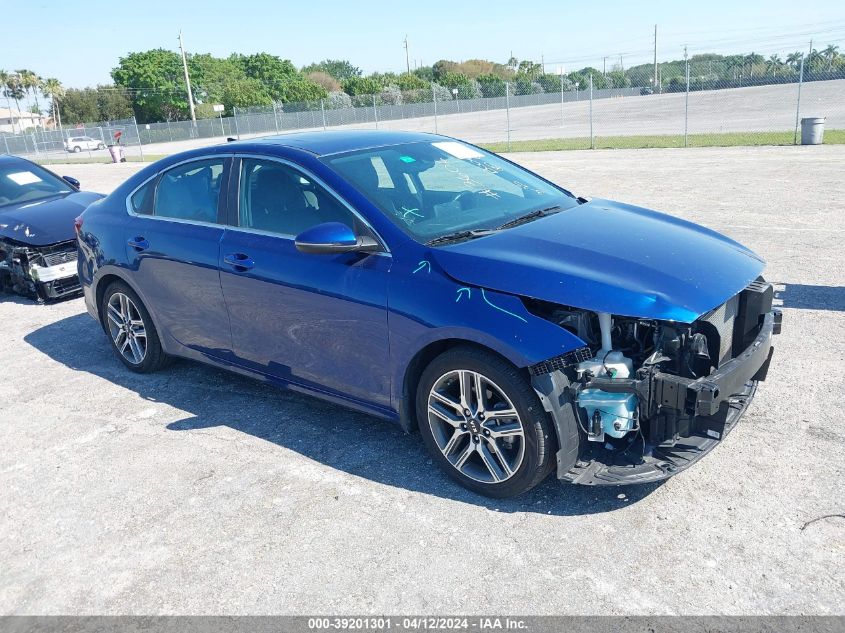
(427,306)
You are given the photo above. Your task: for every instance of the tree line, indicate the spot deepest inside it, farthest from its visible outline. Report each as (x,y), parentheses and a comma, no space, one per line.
(150,84)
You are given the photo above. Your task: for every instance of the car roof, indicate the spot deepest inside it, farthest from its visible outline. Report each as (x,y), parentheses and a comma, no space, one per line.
(338,141)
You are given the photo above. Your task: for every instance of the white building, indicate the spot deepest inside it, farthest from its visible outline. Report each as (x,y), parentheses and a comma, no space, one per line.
(13,121)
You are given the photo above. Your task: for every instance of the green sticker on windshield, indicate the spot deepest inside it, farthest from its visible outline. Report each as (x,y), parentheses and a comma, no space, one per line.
(407,159)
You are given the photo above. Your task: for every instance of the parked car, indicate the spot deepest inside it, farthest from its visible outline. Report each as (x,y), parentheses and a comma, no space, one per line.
(79,143)
(521,328)
(37,240)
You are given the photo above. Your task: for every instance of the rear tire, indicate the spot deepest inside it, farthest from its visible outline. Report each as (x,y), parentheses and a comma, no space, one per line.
(76,149)
(499,445)
(130,329)
(100,146)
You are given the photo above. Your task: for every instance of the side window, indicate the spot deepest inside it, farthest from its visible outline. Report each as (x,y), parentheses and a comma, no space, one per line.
(278,198)
(141,201)
(190,191)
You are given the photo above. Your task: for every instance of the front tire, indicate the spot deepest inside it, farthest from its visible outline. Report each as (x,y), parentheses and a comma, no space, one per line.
(483,423)
(131,330)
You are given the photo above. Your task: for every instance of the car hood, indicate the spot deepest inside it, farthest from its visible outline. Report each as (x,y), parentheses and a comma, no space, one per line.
(44,222)
(608,257)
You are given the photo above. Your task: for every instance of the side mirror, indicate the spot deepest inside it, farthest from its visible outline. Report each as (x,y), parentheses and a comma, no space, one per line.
(73,182)
(333,238)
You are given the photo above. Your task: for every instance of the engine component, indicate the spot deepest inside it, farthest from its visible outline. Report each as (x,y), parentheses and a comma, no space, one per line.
(613,414)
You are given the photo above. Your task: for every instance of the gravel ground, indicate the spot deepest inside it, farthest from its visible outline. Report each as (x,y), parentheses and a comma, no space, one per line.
(195,491)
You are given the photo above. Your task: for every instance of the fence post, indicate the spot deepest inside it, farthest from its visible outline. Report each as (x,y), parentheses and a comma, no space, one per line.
(434,101)
(323,113)
(138,134)
(237,128)
(375,113)
(686,105)
(275,119)
(508,111)
(798,104)
(592,140)
(561,99)
(6,143)
(169,131)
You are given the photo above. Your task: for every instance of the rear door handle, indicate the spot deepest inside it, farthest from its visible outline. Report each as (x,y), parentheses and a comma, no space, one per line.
(239,261)
(139,244)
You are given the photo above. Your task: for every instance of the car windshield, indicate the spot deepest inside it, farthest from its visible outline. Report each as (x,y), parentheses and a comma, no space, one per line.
(433,190)
(25,182)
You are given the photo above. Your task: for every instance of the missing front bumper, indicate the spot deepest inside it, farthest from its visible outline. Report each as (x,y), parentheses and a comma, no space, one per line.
(690,417)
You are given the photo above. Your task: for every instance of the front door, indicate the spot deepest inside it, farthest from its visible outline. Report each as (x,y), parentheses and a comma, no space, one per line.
(316,320)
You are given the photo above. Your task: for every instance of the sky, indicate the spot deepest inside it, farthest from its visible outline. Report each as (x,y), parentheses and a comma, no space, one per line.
(80,45)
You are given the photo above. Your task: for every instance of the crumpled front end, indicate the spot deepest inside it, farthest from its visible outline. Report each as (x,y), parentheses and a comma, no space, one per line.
(645,399)
(44,273)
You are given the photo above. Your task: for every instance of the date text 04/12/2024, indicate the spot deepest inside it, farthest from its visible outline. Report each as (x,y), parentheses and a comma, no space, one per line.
(421,623)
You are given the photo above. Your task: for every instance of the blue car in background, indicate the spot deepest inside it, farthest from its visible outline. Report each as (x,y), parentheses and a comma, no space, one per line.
(522,329)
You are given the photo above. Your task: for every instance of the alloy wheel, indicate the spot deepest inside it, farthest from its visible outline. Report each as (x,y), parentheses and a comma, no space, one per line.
(476,427)
(126,327)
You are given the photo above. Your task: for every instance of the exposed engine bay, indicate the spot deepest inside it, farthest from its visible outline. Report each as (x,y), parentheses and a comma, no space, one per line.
(43,273)
(643,389)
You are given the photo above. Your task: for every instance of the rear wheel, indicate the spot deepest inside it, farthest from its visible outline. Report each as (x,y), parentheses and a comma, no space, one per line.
(100,146)
(483,424)
(131,331)
(76,149)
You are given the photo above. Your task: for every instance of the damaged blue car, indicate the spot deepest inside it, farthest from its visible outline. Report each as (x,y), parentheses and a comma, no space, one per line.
(522,329)
(37,240)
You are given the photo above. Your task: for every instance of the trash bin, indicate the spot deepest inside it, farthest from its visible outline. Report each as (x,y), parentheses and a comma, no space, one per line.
(812,130)
(117,155)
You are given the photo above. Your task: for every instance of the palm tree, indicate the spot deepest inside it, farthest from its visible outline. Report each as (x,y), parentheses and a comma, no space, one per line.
(733,63)
(14,90)
(30,82)
(794,60)
(4,77)
(774,64)
(831,52)
(53,89)
(751,59)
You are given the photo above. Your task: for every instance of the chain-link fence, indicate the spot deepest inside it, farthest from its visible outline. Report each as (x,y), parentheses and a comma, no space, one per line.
(684,111)
(690,104)
(90,141)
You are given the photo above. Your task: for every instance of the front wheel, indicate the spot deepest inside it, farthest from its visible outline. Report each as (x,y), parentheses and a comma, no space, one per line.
(131,331)
(76,149)
(483,423)
(100,146)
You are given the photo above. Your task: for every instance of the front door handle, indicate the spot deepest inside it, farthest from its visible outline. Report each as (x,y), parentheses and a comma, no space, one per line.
(239,261)
(139,244)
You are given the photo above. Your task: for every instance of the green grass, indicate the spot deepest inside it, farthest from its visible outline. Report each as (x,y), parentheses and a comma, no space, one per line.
(727,139)
(148,158)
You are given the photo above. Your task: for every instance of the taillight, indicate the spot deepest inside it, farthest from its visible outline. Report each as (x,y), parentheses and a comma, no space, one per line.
(77,224)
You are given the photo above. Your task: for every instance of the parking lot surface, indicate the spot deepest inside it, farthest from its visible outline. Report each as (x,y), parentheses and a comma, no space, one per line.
(193,491)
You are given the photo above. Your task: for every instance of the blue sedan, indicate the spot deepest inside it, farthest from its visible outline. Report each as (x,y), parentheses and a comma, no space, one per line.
(521,329)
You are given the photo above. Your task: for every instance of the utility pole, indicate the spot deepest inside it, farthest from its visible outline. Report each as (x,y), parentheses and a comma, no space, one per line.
(621,64)
(543,62)
(655,58)
(604,66)
(187,79)
(407,60)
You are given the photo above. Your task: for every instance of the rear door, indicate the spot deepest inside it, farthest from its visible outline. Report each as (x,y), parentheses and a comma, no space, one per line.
(173,245)
(316,320)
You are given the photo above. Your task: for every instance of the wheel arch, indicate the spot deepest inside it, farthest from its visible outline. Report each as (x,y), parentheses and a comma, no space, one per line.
(422,358)
(105,279)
